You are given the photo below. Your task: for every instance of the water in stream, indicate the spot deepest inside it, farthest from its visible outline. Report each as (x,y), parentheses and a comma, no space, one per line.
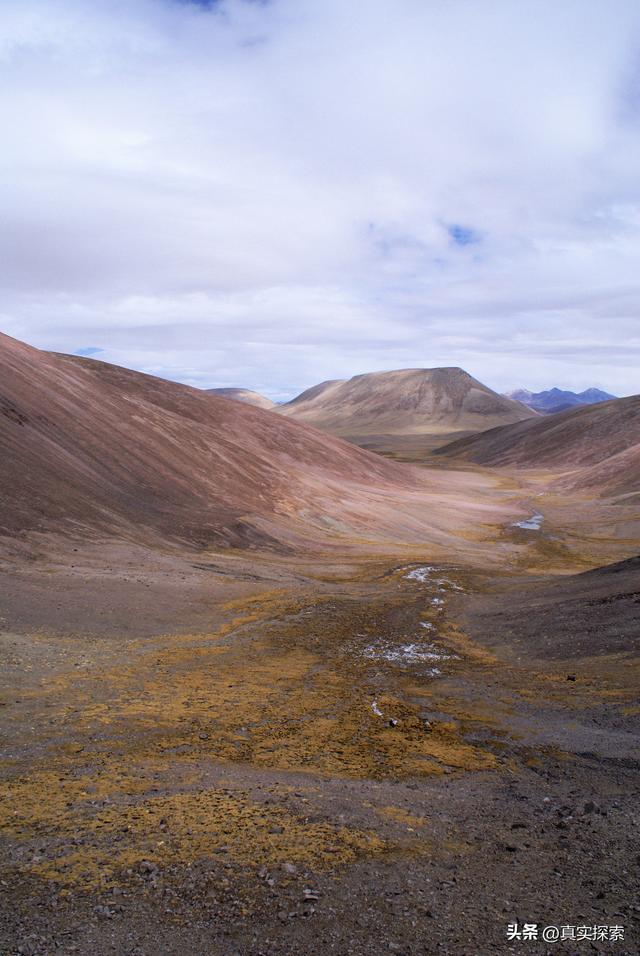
(530,524)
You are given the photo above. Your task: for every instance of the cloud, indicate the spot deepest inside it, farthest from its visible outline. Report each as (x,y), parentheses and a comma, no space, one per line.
(271,194)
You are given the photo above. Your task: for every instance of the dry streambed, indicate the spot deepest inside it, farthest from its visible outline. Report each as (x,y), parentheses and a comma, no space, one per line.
(274,742)
(111,768)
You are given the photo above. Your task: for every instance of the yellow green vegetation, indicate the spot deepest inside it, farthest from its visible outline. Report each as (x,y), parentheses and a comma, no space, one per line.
(133,746)
(298,696)
(96,841)
(612,678)
(269,707)
(400,815)
(458,642)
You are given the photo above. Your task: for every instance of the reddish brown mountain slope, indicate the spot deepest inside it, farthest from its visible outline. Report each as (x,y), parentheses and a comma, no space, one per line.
(595,446)
(89,447)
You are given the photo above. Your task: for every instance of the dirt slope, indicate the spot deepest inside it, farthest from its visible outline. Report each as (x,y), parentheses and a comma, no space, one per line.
(243,395)
(616,475)
(405,402)
(90,447)
(576,616)
(594,447)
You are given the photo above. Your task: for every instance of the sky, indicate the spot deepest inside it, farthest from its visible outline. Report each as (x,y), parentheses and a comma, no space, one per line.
(271,193)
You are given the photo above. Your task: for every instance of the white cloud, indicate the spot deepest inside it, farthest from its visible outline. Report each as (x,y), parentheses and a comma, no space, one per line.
(266,194)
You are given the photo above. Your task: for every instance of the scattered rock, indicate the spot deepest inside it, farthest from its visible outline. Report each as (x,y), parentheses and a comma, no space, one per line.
(28,949)
(103,911)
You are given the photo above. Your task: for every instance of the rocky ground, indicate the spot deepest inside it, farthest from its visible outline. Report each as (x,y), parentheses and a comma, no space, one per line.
(344,759)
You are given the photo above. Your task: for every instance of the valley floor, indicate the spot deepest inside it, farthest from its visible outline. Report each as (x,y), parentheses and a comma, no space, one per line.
(346,758)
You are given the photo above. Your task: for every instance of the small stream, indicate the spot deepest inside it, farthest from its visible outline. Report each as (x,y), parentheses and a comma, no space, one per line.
(530,524)
(414,650)
(410,653)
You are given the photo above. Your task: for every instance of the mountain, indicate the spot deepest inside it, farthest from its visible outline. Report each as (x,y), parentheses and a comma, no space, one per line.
(593,447)
(405,403)
(243,395)
(558,400)
(92,451)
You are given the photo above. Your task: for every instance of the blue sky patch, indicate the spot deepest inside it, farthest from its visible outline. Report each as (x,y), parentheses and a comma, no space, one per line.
(89,351)
(210,4)
(463,235)
(203,4)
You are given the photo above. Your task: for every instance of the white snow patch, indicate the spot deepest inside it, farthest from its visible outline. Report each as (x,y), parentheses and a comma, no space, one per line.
(445,583)
(423,574)
(405,653)
(420,574)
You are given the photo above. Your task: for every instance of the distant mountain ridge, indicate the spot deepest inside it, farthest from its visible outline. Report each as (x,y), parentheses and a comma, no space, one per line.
(246,395)
(402,403)
(557,399)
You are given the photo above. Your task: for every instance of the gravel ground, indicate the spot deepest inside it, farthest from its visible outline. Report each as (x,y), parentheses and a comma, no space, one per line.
(525,810)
